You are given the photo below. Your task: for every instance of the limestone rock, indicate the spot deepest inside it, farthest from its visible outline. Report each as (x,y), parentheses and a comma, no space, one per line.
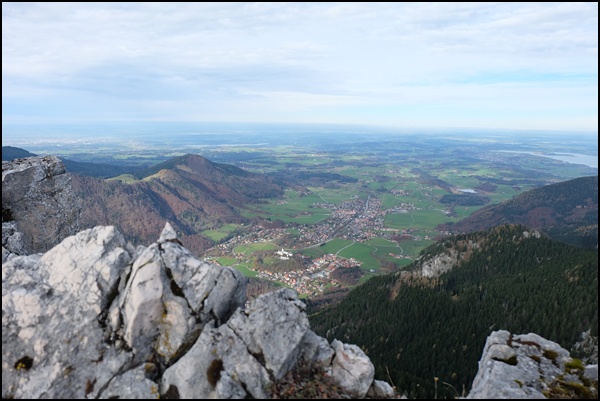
(88,265)
(37,194)
(95,318)
(169,297)
(435,266)
(439,264)
(273,327)
(535,234)
(588,347)
(52,342)
(381,389)
(352,369)
(217,366)
(167,234)
(12,241)
(254,345)
(213,292)
(316,349)
(524,366)
(591,372)
(133,384)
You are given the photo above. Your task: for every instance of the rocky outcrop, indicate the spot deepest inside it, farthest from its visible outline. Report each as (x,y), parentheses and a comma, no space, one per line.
(95,318)
(53,342)
(12,241)
(430,266)
(439,264)
(529,366)
(37,195)
(587,347)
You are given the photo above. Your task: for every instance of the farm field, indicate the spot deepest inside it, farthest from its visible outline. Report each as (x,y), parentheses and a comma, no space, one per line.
(223,232)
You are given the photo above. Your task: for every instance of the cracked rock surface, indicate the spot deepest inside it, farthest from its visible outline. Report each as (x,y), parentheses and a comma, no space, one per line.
(95,318)
(529,366)
(37,194)
(53,344)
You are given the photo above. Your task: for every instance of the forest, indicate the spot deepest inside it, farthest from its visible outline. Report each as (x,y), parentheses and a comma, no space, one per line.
(416,329)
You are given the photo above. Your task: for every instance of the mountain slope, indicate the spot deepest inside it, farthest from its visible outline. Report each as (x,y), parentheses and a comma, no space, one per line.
(221,180)
(416,328)
(190,191)
(567,211)
(99,170)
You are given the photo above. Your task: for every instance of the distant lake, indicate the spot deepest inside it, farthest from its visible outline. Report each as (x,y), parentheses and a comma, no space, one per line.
(574,158)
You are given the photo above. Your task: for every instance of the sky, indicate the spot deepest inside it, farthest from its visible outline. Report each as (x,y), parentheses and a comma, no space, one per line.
(488,65)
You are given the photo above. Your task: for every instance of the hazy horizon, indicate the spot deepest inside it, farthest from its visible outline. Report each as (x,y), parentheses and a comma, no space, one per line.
(21,133)
(514,66)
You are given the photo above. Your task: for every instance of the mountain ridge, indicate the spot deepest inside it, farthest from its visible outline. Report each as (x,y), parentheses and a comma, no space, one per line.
(99,170)
(567,211)
(192,192)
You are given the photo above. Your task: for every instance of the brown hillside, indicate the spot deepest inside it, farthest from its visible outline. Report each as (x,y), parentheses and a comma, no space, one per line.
(191,192)
(560,210)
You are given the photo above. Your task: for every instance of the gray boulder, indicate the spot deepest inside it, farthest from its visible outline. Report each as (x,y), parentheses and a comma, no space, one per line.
(254,348)
(273,327)
(37,194)
(352,369)
(528,366)
(53,342)
(169,297)
(218,366)
(133,384)
(381,389)
(12,241)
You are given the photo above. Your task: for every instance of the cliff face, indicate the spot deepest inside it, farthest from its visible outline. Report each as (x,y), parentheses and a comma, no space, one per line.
(37,194)
(94,317)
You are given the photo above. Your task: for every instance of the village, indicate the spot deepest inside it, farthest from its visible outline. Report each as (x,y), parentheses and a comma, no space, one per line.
(315,278)
(356,220)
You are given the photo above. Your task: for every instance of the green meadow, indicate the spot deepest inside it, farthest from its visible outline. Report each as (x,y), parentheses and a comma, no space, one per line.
(226,261)
(245,270)
(221,233)
(423,219)
(362,253)
(251,248)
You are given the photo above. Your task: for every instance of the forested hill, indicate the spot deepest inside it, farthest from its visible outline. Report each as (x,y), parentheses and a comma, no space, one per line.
(416,328)
(567,211)
(11,153)
(191,192)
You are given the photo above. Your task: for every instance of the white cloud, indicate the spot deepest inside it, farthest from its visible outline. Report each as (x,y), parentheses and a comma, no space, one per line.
(289,56)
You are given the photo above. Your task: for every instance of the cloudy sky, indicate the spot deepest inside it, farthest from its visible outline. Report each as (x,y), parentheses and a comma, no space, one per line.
(516,65)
